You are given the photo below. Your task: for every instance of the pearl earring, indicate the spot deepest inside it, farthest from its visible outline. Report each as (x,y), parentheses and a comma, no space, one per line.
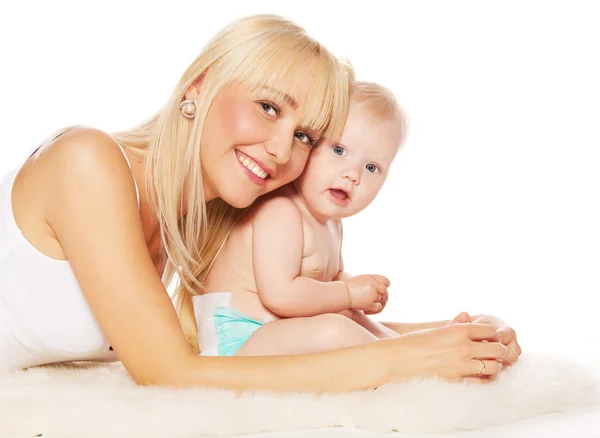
(188,108)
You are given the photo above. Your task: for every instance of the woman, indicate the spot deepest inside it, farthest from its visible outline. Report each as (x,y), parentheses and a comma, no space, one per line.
(92,226)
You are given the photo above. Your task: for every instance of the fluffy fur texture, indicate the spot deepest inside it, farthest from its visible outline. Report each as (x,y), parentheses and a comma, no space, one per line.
(102,400)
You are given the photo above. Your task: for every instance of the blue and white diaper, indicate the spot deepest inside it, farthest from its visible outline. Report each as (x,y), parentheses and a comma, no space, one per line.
(222,330)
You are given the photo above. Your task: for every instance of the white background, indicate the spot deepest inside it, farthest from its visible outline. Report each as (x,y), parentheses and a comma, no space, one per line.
(492,207)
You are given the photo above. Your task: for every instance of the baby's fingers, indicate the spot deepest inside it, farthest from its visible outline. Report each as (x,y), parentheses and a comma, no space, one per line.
(381,279)
(382,291)
(375,308)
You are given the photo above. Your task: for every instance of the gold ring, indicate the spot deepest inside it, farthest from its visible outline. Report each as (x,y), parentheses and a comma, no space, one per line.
(516,354)
(482,368)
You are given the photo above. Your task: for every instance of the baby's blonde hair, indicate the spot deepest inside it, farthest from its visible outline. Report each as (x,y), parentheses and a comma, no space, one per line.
(252,52)
(381,103)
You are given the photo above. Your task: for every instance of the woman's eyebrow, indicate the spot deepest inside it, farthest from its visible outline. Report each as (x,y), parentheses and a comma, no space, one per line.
(316,135)
(294,104)
(286,97)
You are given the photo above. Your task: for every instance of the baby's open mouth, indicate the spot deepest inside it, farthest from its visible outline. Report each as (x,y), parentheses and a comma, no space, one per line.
(339,194)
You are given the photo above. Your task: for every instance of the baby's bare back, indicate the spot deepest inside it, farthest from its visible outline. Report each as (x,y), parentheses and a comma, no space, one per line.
(233,270)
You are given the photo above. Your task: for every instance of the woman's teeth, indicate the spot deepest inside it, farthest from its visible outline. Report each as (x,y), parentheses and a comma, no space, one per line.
(252,166)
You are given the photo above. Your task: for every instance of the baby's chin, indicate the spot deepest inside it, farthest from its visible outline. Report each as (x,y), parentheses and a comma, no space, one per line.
(330,215)
(345,212)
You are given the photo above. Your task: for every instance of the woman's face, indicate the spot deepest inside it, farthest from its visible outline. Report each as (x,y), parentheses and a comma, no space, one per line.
(252,142)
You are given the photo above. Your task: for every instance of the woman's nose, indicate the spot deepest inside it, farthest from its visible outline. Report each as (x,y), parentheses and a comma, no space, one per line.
(279,146)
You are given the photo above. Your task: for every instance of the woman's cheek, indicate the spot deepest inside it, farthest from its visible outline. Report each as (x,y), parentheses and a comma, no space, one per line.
(239,121)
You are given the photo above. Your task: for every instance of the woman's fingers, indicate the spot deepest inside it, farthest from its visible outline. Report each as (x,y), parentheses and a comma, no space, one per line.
(508,336)
(483,368)
(478,380)
(489,350)
(481,332)
(514,351)
(461,318)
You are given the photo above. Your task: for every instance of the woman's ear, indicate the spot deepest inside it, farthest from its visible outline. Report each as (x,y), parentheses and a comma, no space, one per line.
(193,90)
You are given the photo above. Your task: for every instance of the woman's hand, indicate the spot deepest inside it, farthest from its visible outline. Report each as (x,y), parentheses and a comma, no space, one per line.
(507,336)
(454,353)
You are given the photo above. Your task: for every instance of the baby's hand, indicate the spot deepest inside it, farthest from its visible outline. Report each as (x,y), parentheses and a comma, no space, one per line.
(368,292)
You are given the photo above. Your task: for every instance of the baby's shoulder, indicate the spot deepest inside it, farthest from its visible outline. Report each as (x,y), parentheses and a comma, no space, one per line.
(277,204)
(275,208)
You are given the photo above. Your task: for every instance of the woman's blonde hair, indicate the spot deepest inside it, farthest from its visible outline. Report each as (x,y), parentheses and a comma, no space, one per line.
(252,52)
(381,103)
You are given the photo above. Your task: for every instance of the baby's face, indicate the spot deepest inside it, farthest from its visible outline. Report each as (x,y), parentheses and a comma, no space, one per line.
(341,179)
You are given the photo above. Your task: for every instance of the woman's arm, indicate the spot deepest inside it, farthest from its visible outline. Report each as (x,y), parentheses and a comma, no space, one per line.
(408,327)
(92,210)
(449,353)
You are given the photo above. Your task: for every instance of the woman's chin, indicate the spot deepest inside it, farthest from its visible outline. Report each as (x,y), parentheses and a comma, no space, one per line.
(239,201)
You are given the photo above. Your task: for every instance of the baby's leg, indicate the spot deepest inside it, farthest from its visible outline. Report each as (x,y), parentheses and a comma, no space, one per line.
(305,335)
(376,328)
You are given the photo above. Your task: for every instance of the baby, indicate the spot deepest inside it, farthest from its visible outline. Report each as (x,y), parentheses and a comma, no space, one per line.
(283,259)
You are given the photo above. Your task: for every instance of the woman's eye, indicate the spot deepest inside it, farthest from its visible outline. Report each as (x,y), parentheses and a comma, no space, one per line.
(338,150)
(372,168)
(305,138)
(269,109)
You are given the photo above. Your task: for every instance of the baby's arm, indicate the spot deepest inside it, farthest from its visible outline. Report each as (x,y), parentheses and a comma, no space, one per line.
(347,278)
(277,248)
(358,316)
(342,275)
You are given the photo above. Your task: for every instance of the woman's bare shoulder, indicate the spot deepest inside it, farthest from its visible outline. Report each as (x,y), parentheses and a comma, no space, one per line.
(79,145)
(81,158)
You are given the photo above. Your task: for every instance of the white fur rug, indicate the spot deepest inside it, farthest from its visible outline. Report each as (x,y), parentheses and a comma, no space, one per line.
(103,401)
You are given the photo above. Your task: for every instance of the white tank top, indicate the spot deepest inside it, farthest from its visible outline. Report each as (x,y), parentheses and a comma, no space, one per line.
(44,316)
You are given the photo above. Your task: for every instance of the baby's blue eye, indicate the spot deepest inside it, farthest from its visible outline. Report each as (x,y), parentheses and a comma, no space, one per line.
(338,150)
(372,168)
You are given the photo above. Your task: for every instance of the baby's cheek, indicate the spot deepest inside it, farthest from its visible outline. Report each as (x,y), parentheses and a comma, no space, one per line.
(316,163)
(298,162)
(372,193)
